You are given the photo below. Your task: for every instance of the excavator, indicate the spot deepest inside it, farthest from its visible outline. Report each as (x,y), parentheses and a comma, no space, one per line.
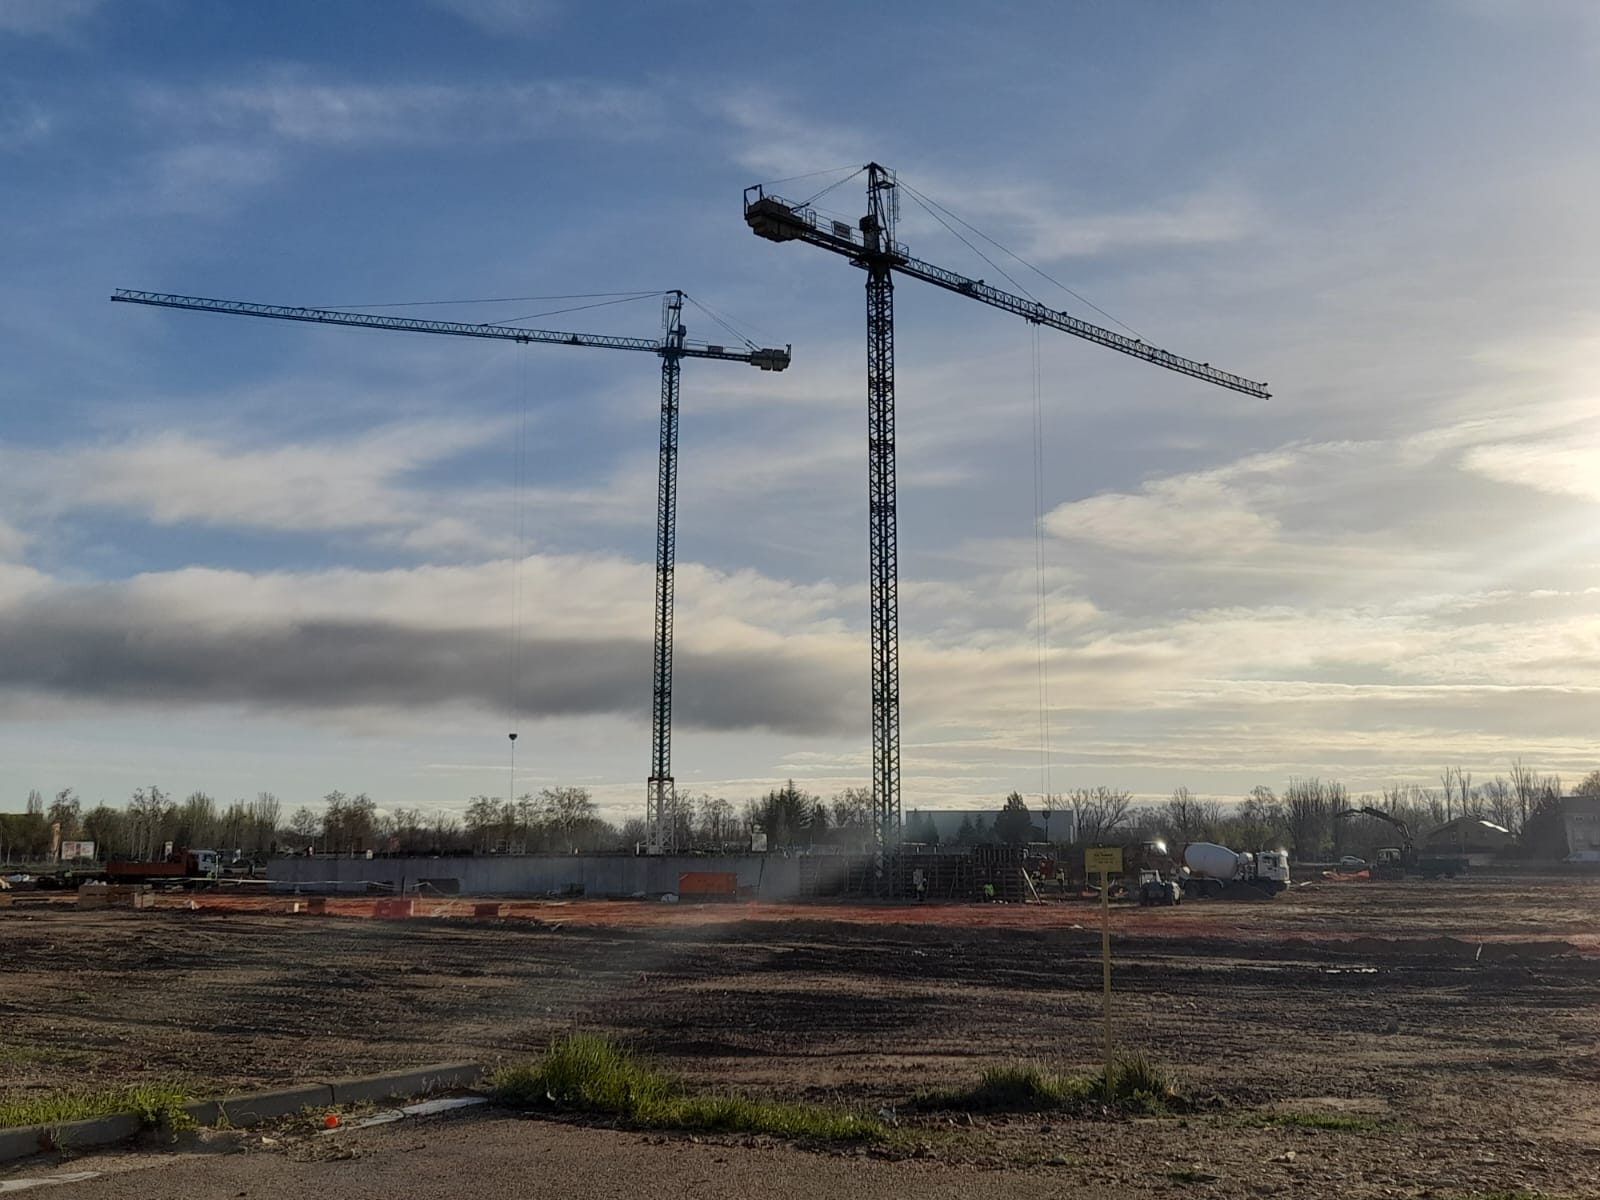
(1396,862)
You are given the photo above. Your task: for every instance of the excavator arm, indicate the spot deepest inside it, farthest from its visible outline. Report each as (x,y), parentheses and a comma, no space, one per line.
(1400,826)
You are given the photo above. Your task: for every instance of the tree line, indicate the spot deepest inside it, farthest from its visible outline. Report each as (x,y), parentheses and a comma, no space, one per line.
(1302,819)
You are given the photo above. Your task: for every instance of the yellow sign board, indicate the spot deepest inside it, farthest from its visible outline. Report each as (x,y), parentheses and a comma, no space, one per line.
(1102,860)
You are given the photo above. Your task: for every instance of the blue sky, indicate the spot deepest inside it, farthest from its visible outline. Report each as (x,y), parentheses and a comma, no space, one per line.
(238,555)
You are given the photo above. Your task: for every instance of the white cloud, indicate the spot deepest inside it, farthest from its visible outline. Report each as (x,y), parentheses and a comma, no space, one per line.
(1191,516)
(1048,225)
(12,542)
(46,18)
(503,16)
(1561,467)
(177,479)
(773,140)
(293,107)
(201,179)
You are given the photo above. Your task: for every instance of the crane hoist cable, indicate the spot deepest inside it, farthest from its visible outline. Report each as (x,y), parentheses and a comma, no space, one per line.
(638,292)
(1041,586)
(519,555)
(926,200)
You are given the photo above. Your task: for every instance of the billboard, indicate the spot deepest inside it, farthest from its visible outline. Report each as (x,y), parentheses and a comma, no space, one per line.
(72,850)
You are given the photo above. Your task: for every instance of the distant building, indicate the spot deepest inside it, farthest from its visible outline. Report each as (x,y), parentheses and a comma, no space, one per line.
(1481,841)
(1581,815)
(947,826)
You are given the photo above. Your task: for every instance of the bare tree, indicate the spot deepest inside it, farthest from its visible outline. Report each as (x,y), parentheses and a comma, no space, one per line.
(1261,818)
(634,833)
(149,811)
(1309,806)
(305,825)
(1099,812)
(1525,783)
(567,809)
(716,820)
(1500,803)
(482,818)
(1180,818)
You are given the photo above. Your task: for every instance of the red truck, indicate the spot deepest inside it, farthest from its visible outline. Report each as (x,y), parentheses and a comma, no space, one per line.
(179,865)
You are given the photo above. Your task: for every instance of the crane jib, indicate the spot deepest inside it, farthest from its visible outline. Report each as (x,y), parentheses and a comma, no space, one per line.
(778,220)
(765,359)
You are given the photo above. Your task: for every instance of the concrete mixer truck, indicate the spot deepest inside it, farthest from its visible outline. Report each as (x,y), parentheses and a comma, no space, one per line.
(1210,870)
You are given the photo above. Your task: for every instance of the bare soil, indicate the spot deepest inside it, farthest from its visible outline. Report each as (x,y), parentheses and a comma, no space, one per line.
(1461,1018)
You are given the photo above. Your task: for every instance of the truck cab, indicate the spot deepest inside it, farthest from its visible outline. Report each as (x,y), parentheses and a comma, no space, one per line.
(1272,866)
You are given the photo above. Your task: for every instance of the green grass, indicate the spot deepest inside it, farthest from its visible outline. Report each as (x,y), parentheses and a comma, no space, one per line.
(587,1073)
(153,1103)
(1337,1122)
(1137,1086)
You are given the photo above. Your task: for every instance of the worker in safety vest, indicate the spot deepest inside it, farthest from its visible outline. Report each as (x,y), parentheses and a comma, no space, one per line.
(988,892)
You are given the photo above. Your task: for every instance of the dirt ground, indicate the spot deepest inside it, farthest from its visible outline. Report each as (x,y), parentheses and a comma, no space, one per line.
(1461,1017)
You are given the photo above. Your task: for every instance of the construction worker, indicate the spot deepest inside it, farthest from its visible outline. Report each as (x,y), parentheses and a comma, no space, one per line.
(988,893)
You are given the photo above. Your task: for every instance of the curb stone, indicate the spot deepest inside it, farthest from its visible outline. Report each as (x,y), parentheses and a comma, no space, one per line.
(242,1110)
(256,1107)
(96,1131)
(420,1081)
(22,1141)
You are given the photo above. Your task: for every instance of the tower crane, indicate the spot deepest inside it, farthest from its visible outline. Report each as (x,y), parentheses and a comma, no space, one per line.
(672,348)
(871,245)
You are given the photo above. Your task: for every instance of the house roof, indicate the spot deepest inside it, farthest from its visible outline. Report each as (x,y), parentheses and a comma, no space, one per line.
(1470,830)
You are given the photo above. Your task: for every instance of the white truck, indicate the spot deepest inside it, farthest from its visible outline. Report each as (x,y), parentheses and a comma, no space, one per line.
(1210,870)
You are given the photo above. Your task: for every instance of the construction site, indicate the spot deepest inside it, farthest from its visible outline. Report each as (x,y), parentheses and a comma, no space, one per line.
(1339,1040)
(630,876)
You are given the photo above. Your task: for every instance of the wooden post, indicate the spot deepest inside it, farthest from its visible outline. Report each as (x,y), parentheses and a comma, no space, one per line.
(1105,966)
(1108,861)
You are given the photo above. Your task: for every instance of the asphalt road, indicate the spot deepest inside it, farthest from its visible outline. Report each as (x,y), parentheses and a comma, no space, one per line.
(472,1157)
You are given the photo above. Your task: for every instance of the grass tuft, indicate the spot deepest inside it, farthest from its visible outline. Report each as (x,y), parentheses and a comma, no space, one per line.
(1137,1086)
(155,1104)
(1337,1122)
(588,1073)
(1014,1087)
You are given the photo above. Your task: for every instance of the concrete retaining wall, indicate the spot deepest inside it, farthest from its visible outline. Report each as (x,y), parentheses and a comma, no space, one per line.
(761,876)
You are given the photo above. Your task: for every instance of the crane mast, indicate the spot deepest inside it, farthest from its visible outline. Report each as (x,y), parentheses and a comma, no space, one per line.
(877,235)
(871,245)
(658,802)
(673,347)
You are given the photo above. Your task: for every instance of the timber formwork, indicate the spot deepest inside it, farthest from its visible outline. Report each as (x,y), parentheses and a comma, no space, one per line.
(957,876)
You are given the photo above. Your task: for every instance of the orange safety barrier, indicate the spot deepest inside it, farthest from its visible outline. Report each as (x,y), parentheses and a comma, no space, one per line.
(708,883)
